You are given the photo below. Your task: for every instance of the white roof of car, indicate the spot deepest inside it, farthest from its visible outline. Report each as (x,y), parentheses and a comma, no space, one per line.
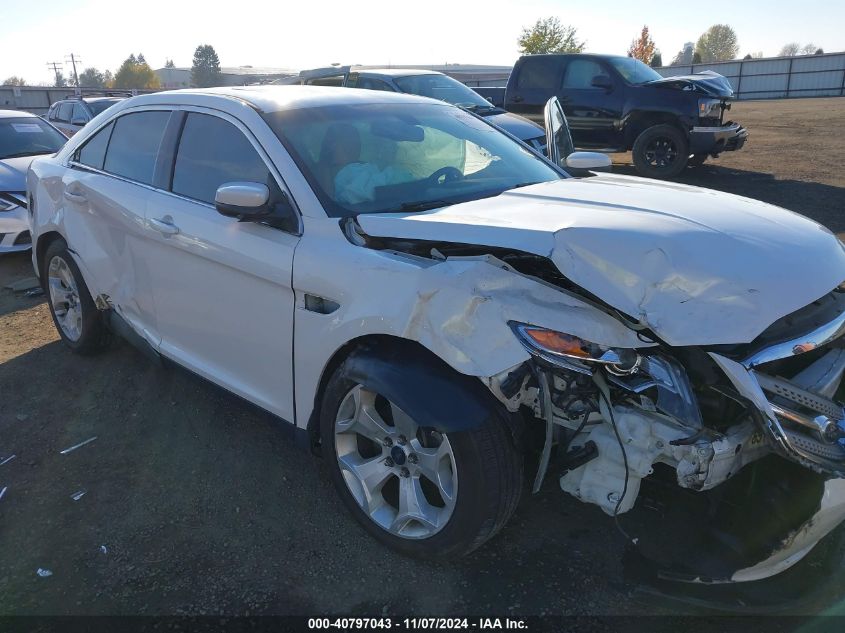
(275,98)
(7,114)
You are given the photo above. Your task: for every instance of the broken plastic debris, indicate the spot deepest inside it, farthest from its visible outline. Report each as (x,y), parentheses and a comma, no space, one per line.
(34,292)
(8,459)
(73,448)
(104,549)
(44,573)
(76,496)
(3,492)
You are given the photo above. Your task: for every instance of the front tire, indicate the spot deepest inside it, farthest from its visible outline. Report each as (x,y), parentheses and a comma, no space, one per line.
(79,323)
(660,151)
(697,160)
(421,492)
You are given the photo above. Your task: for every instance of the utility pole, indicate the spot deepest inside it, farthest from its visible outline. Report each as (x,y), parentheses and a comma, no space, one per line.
(55,66)
(73,60)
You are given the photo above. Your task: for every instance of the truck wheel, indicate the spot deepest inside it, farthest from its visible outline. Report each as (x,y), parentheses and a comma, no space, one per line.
(422,492)
(661,151)
(697,160)
(79,323)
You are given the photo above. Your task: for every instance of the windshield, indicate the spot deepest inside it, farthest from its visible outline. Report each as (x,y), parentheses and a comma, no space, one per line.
(100,105)
(442,88)
(633,70)
(28,136)
(384,157)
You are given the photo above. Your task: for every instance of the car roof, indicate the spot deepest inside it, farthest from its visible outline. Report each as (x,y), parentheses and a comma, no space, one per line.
(8,114)
(395,72)
(275,98)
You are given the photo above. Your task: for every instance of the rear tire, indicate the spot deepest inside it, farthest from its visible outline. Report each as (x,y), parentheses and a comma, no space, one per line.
(480,468)
(77,320)
(660,151)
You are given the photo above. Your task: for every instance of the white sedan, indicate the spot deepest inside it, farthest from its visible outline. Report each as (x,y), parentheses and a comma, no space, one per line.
(429,301)
(22,137)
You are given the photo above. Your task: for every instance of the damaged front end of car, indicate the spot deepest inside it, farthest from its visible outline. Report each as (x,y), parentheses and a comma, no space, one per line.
(727,459)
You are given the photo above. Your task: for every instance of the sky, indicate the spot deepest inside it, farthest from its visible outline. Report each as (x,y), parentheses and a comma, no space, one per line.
(307,34)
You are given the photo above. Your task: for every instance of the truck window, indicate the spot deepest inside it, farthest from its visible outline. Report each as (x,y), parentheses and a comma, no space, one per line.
(579,74)
(539,73)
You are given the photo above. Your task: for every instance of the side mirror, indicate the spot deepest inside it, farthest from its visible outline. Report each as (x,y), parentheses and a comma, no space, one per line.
(243,200)
(558,138)
(579,163)
(78,121)
(602,81)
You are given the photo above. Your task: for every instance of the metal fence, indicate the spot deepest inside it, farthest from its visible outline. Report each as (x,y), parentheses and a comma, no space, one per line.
(36,99)
(777,77)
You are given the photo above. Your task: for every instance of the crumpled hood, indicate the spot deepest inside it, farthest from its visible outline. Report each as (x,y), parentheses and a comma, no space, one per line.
(710,83)
(699,267)
(13,173)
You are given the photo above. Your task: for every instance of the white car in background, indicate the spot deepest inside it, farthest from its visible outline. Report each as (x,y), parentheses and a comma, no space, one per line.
(427,300)
(23,136)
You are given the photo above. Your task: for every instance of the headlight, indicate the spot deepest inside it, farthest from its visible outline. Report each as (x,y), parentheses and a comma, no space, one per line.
(561,349)
(709,108)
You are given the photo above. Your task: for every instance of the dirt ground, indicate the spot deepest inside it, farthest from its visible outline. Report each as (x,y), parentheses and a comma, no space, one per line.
(197,503)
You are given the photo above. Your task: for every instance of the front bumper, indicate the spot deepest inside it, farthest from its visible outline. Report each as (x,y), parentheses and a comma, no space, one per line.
(717,139)
(14,231)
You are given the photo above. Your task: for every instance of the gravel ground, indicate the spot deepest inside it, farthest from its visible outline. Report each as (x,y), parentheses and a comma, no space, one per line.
(198,503)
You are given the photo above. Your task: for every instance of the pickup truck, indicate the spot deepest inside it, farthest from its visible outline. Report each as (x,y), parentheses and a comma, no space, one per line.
(426,83)
(618,104)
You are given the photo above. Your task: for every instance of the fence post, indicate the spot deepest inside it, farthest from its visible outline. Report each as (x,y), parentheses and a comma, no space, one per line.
(789,77)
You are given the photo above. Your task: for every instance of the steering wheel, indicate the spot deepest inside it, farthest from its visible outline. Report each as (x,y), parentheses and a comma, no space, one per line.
(446,174)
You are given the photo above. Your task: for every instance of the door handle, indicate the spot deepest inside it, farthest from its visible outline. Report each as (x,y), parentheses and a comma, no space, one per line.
(74,197)
(164,225)
(517,99)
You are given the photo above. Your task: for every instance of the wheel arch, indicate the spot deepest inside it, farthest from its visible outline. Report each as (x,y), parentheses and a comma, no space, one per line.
(640,120)
(388,363)
(41,245)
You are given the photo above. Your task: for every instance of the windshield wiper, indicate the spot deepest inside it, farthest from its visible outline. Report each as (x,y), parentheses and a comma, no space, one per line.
(424,206)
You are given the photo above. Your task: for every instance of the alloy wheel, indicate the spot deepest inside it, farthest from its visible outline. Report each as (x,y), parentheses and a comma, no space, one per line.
(64,298)
(401,475)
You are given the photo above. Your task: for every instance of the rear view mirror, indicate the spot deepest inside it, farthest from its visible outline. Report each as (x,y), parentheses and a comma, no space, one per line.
(602,81)
(580,162)
(243,200)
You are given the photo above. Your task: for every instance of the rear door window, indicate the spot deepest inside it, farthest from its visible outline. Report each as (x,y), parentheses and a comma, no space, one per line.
(213,152)
(79,112)
(64,112)
(540,73)
(134,144)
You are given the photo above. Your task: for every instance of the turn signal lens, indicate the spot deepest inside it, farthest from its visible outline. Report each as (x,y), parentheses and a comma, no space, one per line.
(558,342)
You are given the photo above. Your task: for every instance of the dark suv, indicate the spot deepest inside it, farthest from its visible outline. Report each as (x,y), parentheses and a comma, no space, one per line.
(71,114)
(618,104)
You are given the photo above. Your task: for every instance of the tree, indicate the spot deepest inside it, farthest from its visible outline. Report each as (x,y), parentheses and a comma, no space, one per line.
(656,60)
(643,47)
(808,49)
(684,56)
(92,78)
(789,50)
(135,74)
(108,79)
(718,43)
(819,51)
(14,80)
(696,57)
(61,82)
(141,59)
(549,36)
(169,64)
(205,71)
(747,56)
